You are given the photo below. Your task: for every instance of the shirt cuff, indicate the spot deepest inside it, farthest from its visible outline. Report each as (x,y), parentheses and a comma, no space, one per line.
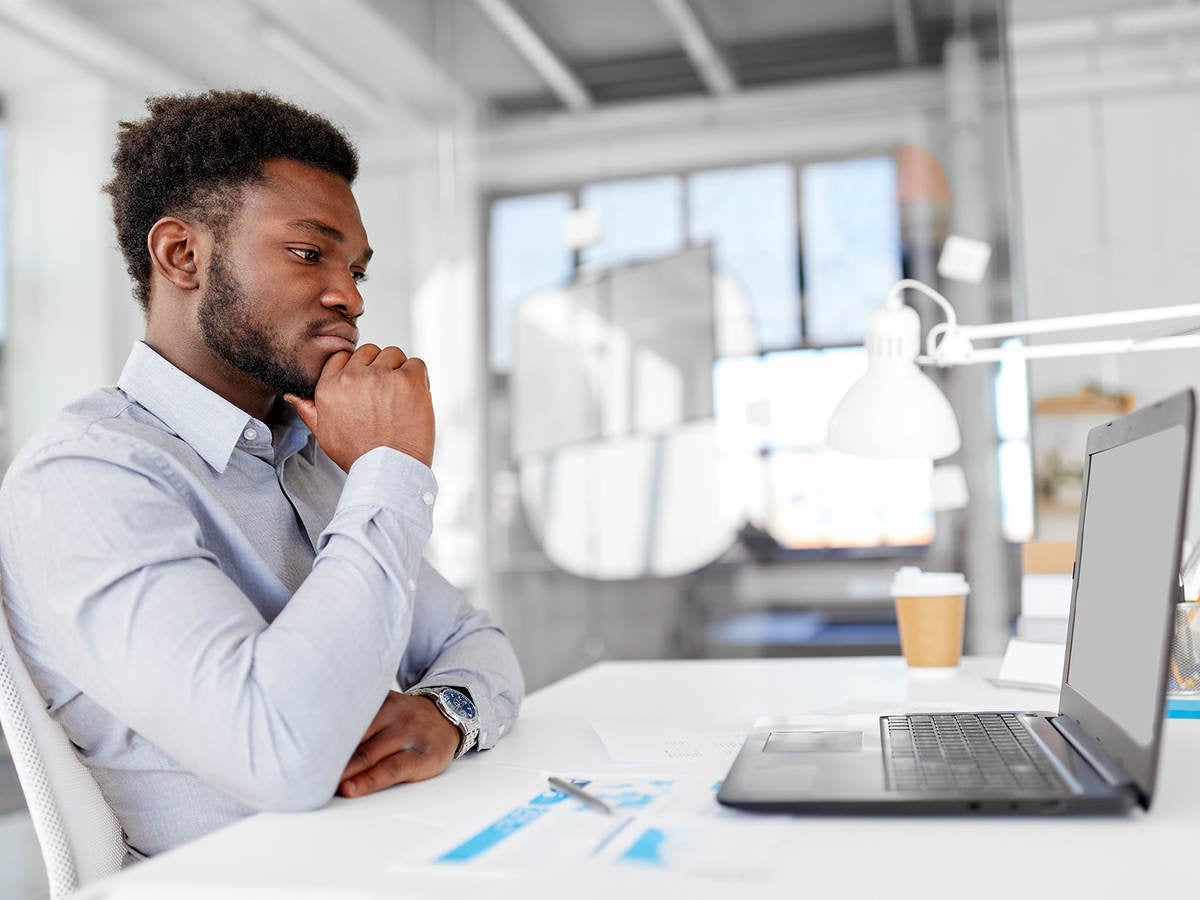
(387,478)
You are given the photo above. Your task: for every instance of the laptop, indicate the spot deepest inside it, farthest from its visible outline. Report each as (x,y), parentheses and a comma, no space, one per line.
(1099,752)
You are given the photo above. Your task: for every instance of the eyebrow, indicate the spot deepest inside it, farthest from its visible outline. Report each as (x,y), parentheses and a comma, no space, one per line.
(327,231)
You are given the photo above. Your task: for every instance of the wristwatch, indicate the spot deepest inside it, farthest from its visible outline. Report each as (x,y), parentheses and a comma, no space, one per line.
(456,706)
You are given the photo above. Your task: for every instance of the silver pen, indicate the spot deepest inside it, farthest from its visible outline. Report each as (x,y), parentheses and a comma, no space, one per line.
(574,790)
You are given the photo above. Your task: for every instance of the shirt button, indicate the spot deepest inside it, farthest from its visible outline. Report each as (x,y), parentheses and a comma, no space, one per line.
(428,498)
(249,434)
(412,585)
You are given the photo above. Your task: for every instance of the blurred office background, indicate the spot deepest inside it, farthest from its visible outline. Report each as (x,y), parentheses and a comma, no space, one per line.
(636,242)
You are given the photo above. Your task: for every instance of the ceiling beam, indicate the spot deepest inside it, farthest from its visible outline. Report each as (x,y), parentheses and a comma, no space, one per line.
(412,83)
(90,48)
(562,80)
(904,20)
(714,71)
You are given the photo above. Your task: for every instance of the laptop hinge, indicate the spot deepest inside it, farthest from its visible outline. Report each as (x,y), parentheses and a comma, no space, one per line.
(1106,767)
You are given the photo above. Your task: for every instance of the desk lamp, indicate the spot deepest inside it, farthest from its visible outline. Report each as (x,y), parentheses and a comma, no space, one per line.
(895,410)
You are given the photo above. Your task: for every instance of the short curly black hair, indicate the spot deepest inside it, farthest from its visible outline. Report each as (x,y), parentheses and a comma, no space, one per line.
(192,155)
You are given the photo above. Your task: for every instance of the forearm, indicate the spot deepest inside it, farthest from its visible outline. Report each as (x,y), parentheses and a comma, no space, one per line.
(484,663)
(141,617)
(454,644)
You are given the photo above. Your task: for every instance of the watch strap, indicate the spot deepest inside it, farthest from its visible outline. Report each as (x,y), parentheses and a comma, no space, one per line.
(468,728)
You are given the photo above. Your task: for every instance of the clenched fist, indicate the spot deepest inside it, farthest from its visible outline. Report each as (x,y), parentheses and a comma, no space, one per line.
(370,398)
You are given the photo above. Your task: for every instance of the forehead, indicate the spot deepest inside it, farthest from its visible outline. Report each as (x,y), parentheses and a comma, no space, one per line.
(292,191)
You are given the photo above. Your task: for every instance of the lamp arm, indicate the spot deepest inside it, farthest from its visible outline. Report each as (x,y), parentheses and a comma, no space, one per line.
(1079,348)
(949,344)
(1071,323)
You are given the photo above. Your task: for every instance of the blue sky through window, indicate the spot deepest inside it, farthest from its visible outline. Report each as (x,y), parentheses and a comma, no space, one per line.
(640,218)
(749,216)
(851,244)
(528,254)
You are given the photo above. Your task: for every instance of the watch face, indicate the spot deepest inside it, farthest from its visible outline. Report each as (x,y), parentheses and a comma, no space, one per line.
(460,703)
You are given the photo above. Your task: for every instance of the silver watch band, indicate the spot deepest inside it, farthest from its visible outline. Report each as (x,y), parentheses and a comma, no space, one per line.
(468,727)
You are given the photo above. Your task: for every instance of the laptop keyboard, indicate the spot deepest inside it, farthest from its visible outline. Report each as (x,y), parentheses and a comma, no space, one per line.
(978,752)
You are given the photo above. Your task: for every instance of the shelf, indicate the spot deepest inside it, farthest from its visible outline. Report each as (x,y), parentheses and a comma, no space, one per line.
(1087,402)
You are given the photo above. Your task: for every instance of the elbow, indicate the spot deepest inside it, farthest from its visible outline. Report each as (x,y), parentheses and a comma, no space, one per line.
(299,798)
(287,792)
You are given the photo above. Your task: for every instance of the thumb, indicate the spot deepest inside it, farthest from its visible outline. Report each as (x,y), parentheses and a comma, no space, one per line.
(305,409)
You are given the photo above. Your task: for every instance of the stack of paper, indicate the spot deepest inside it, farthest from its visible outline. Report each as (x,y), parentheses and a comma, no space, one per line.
(1045,591)
(1034,657)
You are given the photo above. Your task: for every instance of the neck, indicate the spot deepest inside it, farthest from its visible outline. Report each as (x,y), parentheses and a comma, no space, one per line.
(188,353)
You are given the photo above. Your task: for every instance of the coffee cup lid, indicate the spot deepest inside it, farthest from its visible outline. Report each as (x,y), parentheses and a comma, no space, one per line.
(910,581)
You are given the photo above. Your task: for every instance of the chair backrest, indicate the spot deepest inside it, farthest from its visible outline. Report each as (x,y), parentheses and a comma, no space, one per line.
(80,837)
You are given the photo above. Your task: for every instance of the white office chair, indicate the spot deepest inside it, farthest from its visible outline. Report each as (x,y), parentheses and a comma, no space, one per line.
(79,834)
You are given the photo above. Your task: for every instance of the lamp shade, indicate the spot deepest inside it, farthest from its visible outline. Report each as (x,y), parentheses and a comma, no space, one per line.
(895,410)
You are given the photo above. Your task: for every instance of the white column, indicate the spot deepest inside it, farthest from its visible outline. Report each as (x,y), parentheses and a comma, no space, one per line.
(71,313)
(971,387)
(419,196)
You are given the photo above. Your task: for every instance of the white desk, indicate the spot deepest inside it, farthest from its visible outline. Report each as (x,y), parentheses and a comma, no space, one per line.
(350,848)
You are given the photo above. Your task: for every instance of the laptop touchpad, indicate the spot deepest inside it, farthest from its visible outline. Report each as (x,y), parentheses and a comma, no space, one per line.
(814,742)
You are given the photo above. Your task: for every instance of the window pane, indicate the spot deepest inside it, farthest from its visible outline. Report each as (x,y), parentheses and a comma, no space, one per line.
(1012,397)
(851,244)
(749,216)
(740,404)
(1016,490)
(527,254)
(821,499)
(805,387)
(640,218)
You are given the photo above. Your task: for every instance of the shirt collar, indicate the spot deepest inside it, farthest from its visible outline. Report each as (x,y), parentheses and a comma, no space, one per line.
(209,423)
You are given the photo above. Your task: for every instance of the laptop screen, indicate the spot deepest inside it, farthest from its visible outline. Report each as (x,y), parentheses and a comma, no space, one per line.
(1126,563)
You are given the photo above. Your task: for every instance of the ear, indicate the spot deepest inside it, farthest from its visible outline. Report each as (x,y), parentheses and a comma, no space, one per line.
(175,251)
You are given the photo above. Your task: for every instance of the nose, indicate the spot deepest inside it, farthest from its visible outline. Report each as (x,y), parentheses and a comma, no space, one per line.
(344,297)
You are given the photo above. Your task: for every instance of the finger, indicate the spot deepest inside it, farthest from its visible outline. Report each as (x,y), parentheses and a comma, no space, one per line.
(388,709)
(417,366)
(398,768)
(335,363)
(364,355)
(377,748)
(305,409)
(392,357)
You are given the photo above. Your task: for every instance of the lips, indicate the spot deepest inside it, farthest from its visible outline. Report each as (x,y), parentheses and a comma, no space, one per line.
(341,337)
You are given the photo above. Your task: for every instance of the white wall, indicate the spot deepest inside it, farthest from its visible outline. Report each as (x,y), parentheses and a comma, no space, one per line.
(1108,135)
(71,317)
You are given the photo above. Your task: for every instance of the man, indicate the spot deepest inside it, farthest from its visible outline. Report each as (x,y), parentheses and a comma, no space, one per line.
(213,570)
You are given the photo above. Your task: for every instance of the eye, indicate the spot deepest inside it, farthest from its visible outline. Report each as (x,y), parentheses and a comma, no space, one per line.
(359,277)
(308,254)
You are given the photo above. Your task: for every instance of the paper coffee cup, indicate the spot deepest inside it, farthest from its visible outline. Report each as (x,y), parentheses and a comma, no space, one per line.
(929,611)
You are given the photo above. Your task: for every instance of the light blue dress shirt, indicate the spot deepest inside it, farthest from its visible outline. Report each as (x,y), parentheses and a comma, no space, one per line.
(214,611)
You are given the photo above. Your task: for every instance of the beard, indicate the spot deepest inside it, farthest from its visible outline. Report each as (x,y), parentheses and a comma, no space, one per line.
(231,330)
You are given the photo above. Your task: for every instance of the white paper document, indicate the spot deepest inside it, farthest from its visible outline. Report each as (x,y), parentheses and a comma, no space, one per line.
(1032,664)
(649,742)
(662,823)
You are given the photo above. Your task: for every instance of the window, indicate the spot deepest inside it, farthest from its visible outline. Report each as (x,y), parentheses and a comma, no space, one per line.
(528,254)
(1015,456)
(641,218)
(851,240)
(749,216)
(776,407)
(800,255)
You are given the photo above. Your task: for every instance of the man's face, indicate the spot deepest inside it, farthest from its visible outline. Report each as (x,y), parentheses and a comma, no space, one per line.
(282,293)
